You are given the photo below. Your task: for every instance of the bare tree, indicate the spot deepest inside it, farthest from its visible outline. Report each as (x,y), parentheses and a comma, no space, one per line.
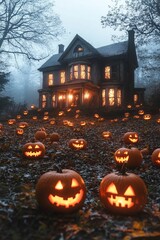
(26,26)
(141,15)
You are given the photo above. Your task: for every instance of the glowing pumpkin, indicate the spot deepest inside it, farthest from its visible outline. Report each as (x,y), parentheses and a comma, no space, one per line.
(141,112)
(132,157)
(131,137)
(61,191)
(33,150)
(123,194)
(77,143)
(23,124)
(155,157)
(19,131)
(107,134)
(11,121)
(147,117)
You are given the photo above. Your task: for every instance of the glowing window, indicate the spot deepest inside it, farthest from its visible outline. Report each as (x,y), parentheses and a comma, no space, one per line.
(44,101)
(103,97)
(107,72)
(54,100)
(119,97)
(111,94)
(62,77)
(80,71)
(50,79)
(135,98)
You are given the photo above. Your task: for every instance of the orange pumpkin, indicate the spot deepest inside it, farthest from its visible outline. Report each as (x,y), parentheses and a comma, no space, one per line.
(61,191)
(40,135)
(155,157)
(23,124)
(107,134)
(131,137)
(123,194)
(33,150)
(77,143)
(19,131)
(54,137)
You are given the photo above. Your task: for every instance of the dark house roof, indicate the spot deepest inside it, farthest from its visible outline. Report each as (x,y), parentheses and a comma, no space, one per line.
(115,49)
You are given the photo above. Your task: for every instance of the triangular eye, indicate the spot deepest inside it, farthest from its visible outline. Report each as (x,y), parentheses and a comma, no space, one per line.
(59,185)
(112,188)
(36,146)
(74,183)
(29,147)
(129,192)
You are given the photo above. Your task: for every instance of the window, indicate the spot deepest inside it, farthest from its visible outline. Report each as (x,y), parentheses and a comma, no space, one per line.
(44,101)
(62,77)
(111,95)
(54,101)
(107,72)
(103,97)
(111,72)
(119,97)
(80,71)
(50,79)
(78,51)
(135,98)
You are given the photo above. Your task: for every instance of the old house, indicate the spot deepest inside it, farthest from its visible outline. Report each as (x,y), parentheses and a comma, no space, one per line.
(84,76)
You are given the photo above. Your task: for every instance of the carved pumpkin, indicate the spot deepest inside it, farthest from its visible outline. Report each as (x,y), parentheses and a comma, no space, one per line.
(18,116)
(33,150)
(158,120)
(19,131)
(156,157)
(147,117)
(62,191)
(141,112)
(78,144)
(23,124)
(107,134)
(132,157)
(11,121)
(131,137)
(52,121)
(25,112)
(123,194)
(40,135)
(34,118)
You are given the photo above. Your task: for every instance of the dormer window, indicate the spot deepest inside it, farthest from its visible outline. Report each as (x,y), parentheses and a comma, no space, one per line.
(78,51)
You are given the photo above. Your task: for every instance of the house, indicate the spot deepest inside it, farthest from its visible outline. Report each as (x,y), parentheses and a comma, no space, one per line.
(84,76)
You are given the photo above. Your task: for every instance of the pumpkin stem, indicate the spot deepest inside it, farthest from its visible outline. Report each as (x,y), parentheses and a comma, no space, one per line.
(58,169)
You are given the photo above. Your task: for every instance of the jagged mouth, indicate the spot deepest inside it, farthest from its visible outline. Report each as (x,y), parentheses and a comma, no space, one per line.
(122,159)
(80,146)
(121,202)
(33,154)
(133,140)
(69,202)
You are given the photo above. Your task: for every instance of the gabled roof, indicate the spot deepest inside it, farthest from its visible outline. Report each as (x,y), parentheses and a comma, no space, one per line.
(115,49)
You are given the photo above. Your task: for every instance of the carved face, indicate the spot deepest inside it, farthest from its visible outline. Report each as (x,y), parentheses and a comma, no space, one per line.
(147,117)
(23,124)
(11,121)
(33,150)
(125,194)
(156,157)
(158,120)
(141,112)
(52,121)
(107,134)
(61,191)
(121,155)
(19,131)
(131,137)
(78,144)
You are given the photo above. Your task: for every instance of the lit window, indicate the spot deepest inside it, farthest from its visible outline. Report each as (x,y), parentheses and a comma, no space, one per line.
(54,100)
(80,71)
(107,72)
(135,98)
(103,97)
(50,79)
(78,51)
(119,98)
(62,77)
(44,101)
(111,97)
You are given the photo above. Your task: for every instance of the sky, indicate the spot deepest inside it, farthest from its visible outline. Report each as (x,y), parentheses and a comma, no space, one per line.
(83,17)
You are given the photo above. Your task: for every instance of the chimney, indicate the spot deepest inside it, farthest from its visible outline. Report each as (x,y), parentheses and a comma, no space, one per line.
(61,48)
(131,37)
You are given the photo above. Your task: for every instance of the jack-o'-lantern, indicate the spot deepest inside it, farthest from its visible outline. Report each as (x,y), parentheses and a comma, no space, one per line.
(18,116)
(127,114)
(132,157)
(25,112)
(19,131)
(45,118)
(61,191)
(61,113)
(70,124)
(52,121)
(23,124)
(40,135)
(131,137)
(107,134)
(34,118)
(83,123)
(129,106)
(147,116)
(1,126)
(11,121)
(141,112)
(136,116)
(158,120)
(123,193)
(33,150)
(54,137)
(156,157)
(96,115)
(78,144)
